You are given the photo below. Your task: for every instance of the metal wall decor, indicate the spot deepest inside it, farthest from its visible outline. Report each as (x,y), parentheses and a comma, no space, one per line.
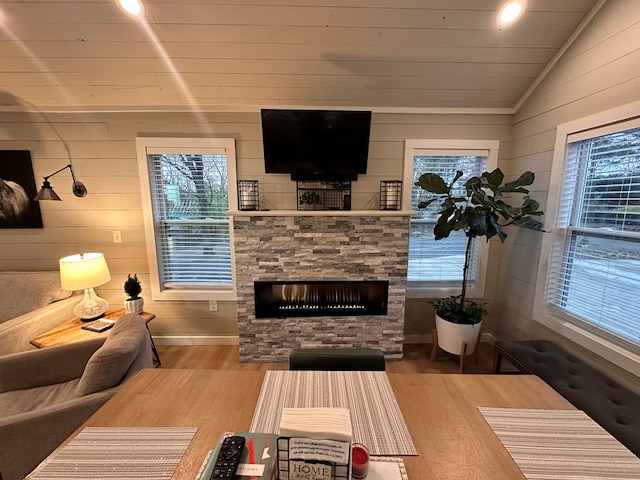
(323,195)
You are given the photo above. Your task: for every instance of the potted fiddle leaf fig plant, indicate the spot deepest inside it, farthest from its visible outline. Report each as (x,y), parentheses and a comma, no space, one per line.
(480,211)
(132,287)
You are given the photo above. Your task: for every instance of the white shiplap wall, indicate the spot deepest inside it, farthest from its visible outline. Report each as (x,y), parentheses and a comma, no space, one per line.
(102,147)
(600,71)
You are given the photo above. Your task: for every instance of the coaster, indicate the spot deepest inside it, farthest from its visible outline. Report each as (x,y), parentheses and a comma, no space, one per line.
(387,468)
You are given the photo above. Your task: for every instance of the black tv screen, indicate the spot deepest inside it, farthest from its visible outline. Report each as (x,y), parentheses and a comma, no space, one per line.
(316,144)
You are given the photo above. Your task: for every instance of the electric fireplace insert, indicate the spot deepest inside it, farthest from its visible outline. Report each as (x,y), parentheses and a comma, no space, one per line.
(320,298)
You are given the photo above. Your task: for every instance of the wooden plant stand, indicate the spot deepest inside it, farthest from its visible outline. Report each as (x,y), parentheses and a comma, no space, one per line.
(463,351)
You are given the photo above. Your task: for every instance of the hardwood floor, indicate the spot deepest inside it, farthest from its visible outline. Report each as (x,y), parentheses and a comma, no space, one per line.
(224,357)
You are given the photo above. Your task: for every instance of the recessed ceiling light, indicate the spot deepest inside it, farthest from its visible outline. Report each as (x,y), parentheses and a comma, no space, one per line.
(132,7)
(510,11)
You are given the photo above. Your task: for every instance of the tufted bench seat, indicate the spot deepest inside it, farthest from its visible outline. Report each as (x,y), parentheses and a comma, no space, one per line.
(336,359)
(614,407)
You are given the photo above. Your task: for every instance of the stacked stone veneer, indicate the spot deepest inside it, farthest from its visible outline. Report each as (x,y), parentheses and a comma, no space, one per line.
(301,248)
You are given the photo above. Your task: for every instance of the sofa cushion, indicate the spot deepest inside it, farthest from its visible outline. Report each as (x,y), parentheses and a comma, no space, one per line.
(109,365)
(43,288)
(29,399)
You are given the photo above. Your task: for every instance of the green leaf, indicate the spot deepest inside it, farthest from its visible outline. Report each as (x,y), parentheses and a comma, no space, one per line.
(497,228)
(474,184)
(530,223)
(506,211)
(481,198)
(448,204)
(441,230)
(530,206)
(478,225)
(514,190)
(458,175)
(449,309)
(444,217)
(494,178)
(527,178)
(426,203)
(465,217)
(433,183)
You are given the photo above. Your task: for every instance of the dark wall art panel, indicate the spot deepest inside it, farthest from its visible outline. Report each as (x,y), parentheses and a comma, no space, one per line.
(17,189)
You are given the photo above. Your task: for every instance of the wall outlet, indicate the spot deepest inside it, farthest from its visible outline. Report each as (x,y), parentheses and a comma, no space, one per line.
(213,305)
(117,236)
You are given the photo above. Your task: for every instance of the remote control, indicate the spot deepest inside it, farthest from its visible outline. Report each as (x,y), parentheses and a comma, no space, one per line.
(228,458)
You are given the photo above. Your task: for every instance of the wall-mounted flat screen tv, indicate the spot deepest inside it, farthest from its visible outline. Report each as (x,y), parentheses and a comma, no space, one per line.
(316,144)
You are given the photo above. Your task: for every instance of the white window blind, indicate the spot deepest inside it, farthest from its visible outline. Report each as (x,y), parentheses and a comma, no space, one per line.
(594,272)
(188,185)
(436,266)
(190,198)
(440,261)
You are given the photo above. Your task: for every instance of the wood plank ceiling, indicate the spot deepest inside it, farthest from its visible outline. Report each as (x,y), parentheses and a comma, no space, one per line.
(239,54)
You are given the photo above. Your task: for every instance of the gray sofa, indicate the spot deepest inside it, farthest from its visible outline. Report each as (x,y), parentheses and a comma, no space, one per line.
(45,395)
(31,303)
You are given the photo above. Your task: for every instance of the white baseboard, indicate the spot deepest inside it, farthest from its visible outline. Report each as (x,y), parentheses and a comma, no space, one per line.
(234,340)
(196,340)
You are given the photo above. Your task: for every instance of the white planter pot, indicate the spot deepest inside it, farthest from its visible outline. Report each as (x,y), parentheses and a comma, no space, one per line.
(134,306)
(451,336)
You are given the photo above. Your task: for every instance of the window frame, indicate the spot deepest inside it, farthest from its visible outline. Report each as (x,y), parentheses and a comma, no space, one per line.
(184,145)
(455,146)
(544,313)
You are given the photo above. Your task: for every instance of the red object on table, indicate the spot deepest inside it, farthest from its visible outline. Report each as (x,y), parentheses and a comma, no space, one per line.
(359,461)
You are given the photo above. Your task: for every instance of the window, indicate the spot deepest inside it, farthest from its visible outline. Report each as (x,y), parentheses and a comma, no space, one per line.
(436,266)
(186,192)
(587,287)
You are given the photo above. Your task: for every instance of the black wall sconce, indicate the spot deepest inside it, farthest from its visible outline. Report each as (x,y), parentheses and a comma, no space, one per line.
(46,191)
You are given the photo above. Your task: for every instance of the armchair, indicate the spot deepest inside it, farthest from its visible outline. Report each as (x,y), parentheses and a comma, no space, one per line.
(45,395)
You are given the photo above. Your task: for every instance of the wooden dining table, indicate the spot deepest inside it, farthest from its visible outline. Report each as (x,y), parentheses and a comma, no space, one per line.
(452,438)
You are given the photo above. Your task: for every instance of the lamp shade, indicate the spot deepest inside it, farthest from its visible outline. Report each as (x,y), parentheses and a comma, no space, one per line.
(84,270)
(46,193)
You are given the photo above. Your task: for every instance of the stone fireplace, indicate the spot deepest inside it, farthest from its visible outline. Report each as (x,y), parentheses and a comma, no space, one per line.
(328,248)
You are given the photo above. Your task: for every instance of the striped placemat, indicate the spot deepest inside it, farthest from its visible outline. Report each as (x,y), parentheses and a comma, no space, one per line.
(375,416)
(560,444)
(118,452)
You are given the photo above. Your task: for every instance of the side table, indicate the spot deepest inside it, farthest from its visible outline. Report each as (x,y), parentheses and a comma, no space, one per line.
(71,331)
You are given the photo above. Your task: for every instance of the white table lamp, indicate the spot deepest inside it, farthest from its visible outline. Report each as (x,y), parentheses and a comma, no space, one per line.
(83,272)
